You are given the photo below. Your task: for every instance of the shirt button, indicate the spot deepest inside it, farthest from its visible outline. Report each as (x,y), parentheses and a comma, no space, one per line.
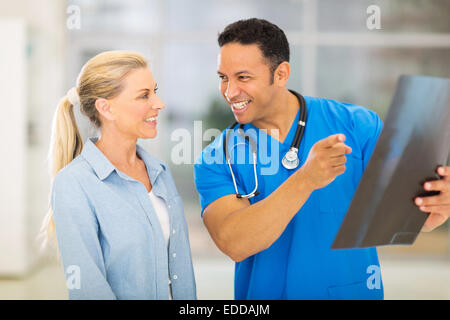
(173,231)
(175,277)
(174,255)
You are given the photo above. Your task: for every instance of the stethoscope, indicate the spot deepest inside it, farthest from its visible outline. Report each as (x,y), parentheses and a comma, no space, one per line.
(290,160)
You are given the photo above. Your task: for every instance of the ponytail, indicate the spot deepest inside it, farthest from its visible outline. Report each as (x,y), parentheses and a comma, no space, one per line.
(65,145)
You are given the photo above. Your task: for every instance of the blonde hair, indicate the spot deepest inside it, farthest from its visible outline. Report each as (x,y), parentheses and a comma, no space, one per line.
(101,77)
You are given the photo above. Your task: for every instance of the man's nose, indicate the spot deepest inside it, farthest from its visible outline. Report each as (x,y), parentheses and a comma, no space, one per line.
(232,91)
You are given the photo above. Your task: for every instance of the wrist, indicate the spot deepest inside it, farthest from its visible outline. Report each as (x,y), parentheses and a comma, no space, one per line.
(306,183)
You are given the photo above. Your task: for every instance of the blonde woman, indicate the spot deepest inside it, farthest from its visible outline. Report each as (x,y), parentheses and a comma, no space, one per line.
(119,221)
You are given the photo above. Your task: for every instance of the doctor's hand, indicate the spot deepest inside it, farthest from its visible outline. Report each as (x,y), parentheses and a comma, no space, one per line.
(438,206)
(326,160)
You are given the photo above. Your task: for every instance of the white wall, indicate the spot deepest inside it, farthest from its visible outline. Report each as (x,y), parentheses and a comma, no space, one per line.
(32,35)
(13,246)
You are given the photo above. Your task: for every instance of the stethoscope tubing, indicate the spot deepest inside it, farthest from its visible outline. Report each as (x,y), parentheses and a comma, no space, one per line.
(294,146)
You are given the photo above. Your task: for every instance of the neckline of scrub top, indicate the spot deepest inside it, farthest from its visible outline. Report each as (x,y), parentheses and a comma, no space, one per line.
(290,136)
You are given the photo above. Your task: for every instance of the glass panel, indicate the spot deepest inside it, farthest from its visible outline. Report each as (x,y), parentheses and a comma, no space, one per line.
(295,78)
(368,76)
(120,16)
(215,15)
(183,16)
(190,73)
(396,15)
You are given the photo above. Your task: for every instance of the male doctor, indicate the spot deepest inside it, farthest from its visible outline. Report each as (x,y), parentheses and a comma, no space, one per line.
(280,236)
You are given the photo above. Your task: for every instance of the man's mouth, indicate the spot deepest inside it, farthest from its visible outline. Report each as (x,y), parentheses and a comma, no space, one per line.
(241,106)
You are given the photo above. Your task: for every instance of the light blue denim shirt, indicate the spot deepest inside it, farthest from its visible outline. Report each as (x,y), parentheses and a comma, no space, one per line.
(109,236)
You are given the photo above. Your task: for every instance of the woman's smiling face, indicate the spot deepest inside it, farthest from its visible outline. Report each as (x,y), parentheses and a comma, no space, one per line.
(135,110)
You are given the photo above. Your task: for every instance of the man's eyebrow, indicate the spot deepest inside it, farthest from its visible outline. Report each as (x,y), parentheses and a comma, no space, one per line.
(237,73)
(243,71)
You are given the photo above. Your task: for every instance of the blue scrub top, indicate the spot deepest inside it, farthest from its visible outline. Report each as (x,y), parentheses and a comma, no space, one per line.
(300,263)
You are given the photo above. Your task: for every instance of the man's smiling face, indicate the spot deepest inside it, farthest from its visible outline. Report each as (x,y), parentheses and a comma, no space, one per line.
(245,81)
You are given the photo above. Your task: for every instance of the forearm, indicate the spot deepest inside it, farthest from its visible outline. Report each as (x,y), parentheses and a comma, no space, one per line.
(255,228)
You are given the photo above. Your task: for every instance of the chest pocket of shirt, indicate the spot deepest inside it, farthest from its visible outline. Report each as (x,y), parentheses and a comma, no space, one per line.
(337,196)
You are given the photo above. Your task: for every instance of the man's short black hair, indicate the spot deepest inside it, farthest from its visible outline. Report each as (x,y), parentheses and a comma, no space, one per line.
(270,38)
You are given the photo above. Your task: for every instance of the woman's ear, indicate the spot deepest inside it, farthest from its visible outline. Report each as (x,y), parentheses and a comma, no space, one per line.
(281,74)
(104,108)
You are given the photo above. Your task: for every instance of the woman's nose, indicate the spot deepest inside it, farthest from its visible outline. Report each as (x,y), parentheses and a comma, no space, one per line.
(158,104)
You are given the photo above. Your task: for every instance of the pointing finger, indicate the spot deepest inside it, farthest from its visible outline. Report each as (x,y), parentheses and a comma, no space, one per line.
(330,141)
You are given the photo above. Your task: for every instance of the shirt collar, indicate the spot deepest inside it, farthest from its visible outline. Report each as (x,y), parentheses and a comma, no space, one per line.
(103,167)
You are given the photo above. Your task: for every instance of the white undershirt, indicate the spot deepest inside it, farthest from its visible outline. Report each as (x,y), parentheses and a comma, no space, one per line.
(163,216)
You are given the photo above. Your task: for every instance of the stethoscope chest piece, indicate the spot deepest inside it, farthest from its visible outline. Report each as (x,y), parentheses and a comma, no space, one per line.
(290,160)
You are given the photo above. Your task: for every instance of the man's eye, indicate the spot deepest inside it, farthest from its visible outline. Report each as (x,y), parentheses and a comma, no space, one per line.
(223,78)
(244,77)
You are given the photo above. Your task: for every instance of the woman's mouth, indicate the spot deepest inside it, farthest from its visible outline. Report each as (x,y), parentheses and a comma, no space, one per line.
(151,121)
(240,107)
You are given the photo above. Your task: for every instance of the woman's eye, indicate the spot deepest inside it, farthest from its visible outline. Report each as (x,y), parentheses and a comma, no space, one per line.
(156,89)
(145,96)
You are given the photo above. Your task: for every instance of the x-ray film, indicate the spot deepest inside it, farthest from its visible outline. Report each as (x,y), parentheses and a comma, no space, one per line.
(415,140)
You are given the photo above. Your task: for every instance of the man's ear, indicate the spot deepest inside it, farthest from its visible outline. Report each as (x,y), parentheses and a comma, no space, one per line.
(281,74)
(104,108)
